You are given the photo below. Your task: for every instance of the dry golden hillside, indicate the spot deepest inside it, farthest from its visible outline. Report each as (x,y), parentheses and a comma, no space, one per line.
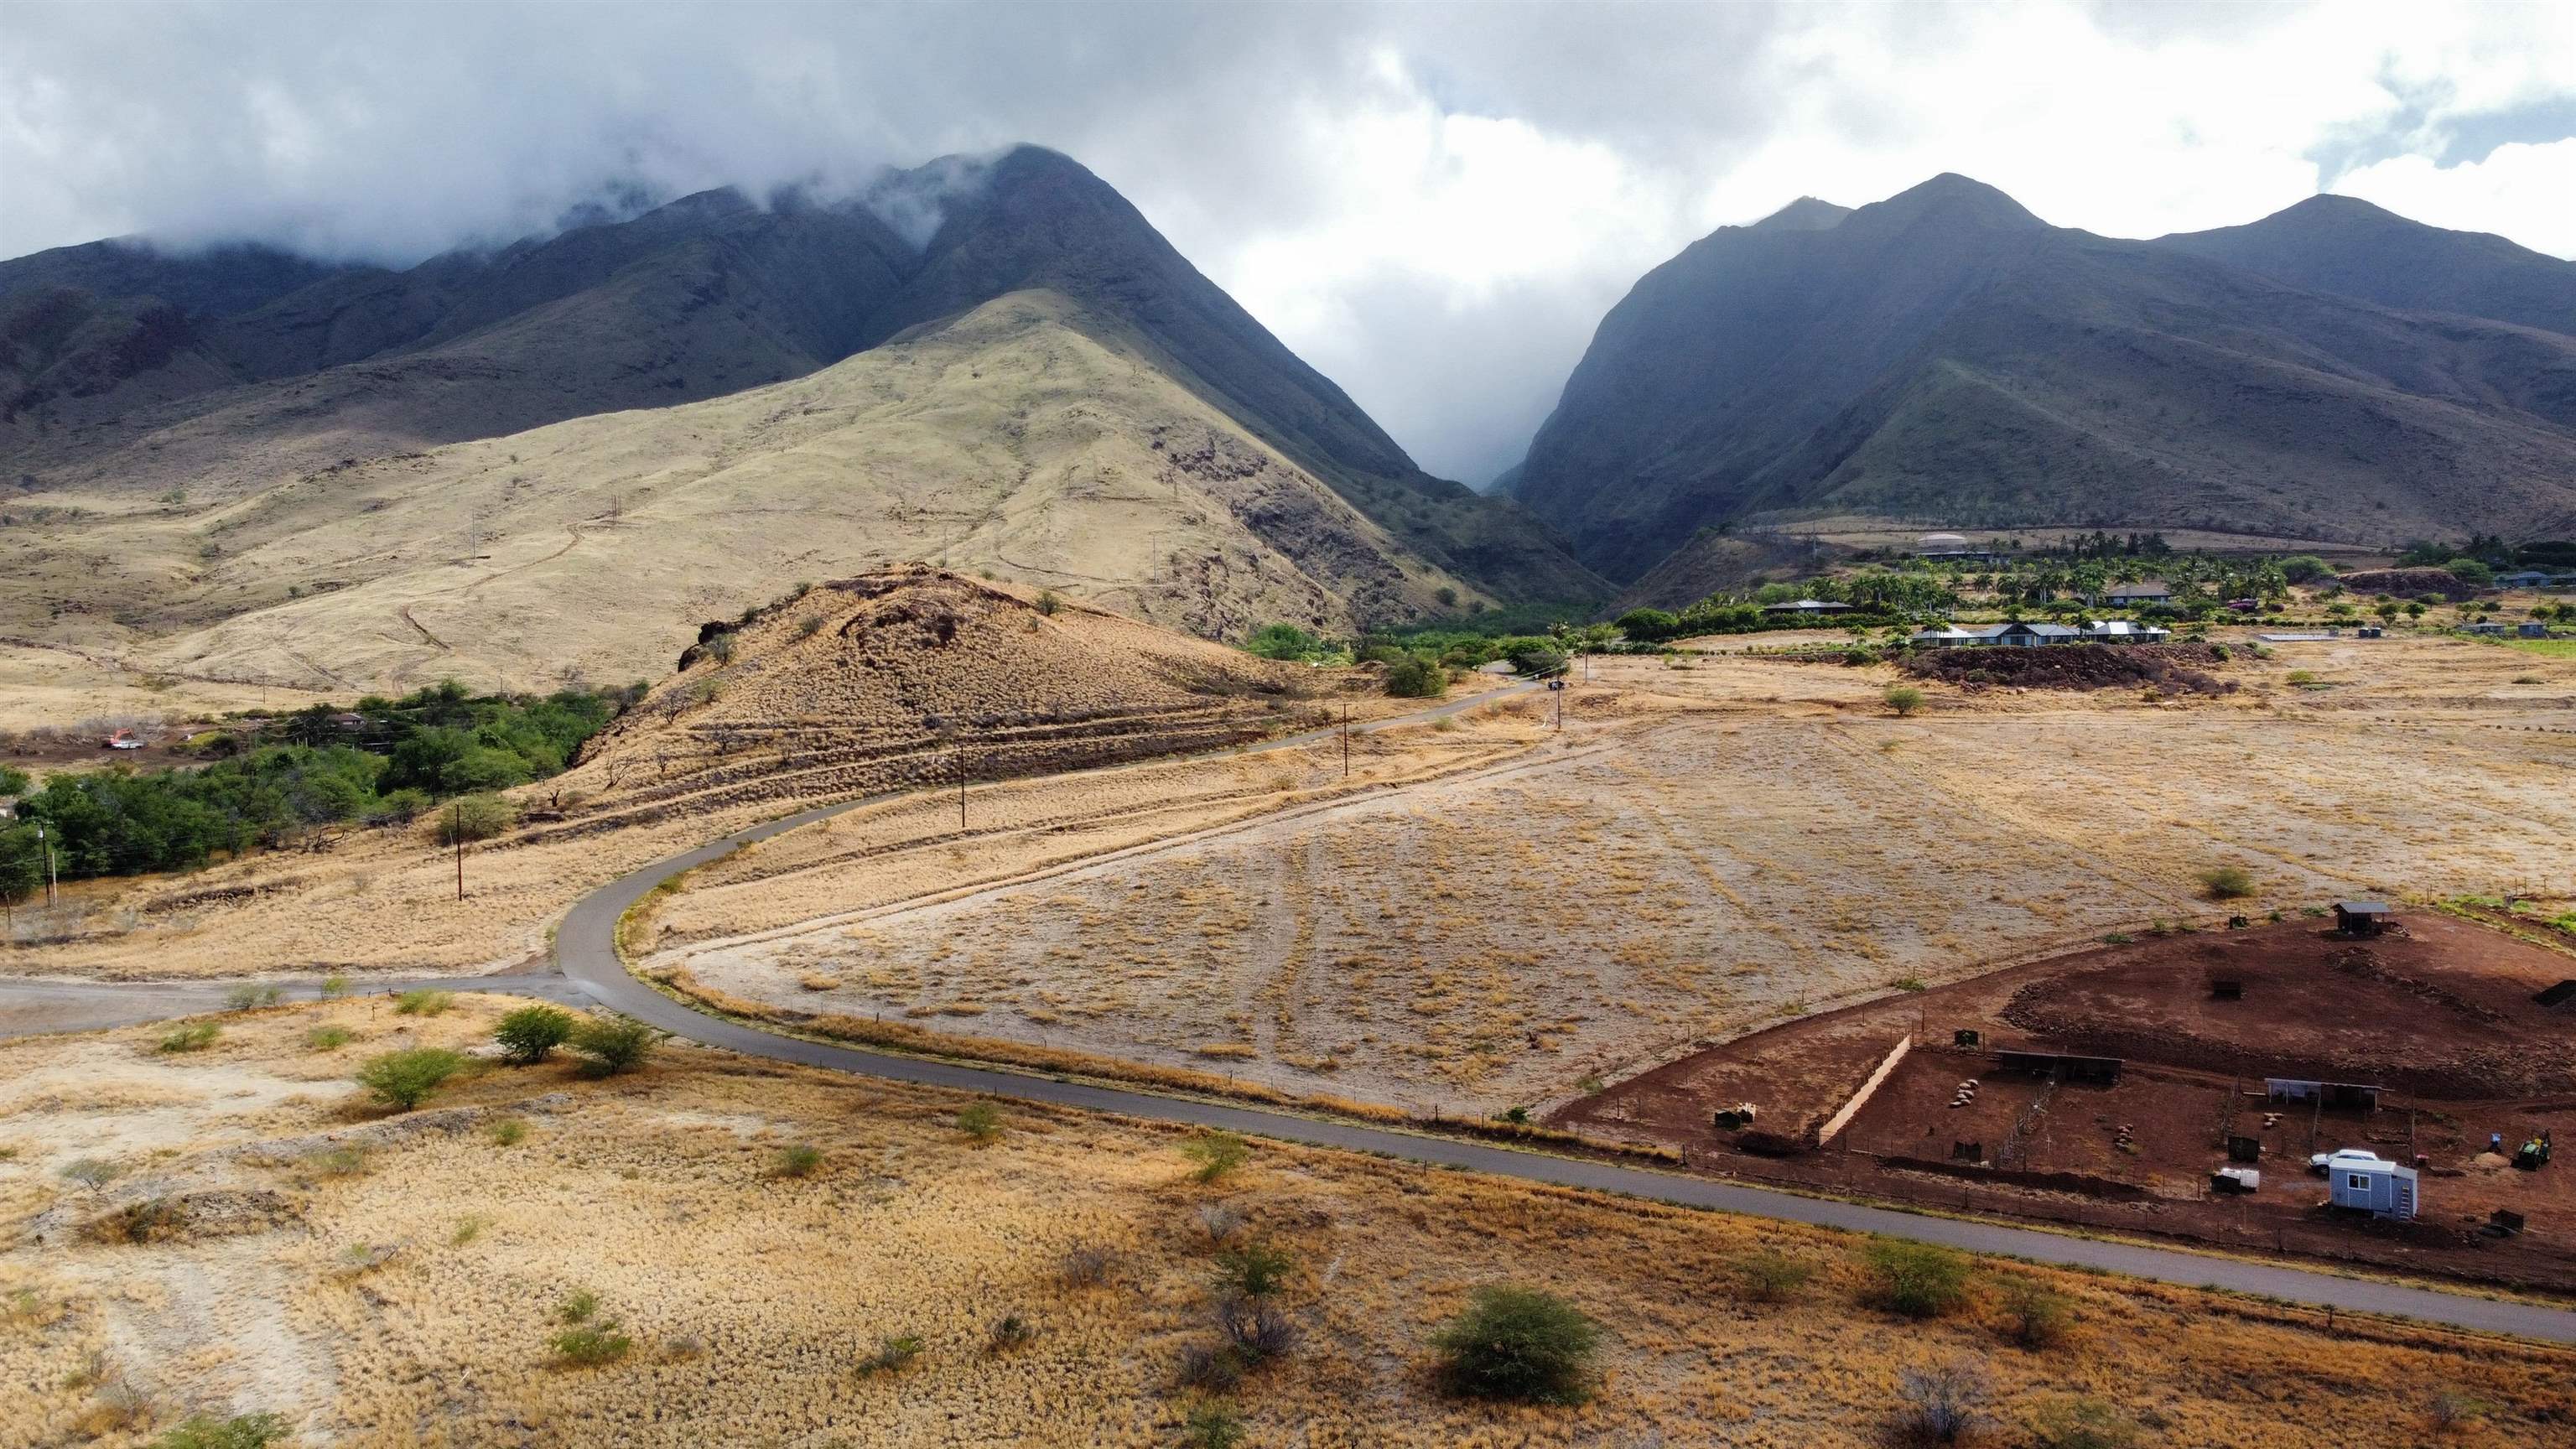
(405,1280)
(1022,440)
(905,676)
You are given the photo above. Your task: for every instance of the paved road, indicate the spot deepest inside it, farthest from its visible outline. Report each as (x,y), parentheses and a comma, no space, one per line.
(586,949)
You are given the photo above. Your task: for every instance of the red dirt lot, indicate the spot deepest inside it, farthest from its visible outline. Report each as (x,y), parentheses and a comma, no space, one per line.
(2438,1011)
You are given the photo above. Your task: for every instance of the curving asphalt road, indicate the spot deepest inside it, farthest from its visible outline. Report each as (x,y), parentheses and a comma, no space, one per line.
(586,948)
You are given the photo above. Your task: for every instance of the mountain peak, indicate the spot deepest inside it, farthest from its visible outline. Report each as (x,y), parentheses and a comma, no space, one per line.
(1804,214)
(1951,195)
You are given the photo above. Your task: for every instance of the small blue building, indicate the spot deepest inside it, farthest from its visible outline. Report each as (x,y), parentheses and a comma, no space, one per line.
(2359,1178)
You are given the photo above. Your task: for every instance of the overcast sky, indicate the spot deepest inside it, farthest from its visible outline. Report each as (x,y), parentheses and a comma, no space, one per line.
(1434,204)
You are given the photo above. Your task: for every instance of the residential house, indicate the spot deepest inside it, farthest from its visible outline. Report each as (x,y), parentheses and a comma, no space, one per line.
(1806,606)
(2150,591)
(2123,631)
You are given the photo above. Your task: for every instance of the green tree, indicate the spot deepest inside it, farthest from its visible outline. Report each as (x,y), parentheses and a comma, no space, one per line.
(1519,1343)
(615,1044)
(475,817)
(1917,1280)
(1414,677)
(531,1033)
(405,1079)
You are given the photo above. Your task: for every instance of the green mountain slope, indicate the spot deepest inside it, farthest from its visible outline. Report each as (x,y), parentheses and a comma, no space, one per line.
(1944,357)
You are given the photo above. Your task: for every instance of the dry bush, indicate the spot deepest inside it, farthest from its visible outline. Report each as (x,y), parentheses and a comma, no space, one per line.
(1216,1153)
(2076,1422)
(1769,1276)
(1086,1265)
(2226,882)
(1941,1405)
(2035,1316)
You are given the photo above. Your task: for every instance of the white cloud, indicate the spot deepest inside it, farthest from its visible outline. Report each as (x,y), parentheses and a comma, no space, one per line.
(2521,191)
(1432,203)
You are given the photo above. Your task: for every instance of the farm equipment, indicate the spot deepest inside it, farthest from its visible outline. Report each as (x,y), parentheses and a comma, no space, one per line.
(1736,1117)
(2227,1180)
(2534,1154)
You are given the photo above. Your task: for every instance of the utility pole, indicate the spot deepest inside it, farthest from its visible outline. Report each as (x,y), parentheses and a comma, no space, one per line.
(1346,738)
(456,831)
(48,847)
(961,781)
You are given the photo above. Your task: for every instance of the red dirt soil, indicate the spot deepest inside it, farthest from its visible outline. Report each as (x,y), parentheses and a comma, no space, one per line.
(2438,1011)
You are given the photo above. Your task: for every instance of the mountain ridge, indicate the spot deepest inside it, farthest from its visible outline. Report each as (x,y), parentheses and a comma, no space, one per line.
(1945,357)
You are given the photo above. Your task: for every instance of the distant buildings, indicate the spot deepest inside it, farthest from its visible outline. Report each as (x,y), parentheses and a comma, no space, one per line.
(2016,634)
(1806,606)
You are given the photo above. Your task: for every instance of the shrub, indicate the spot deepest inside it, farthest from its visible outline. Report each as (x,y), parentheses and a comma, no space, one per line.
(579,1306)
(1049,602)
(467,1230)
(891,1355)
(2452,1410)
(243,998)
(403,1080)
(242,1431)
(1086,1264)
(799,1160)
(194,1038)
(2075,1422)
(1769,1277)
(327,1038)
(2303,676)
(1940,1404)
(590,1345)
(509,1132)
(344,1161)
(980,1121)
(424,1002)
(1009,1332)
(1905,699)
(1212,1426)
(2227,882)
(613,1044)
(334,987)
(531,1033)
(469,818)
(1216,1153)
(2034,1316)
(1417,678)
(92,1172)
(1917,1280)
(1518,1343)
(1254,1270)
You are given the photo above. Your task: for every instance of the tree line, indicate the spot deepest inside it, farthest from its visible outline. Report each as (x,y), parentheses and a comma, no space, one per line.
(382,763)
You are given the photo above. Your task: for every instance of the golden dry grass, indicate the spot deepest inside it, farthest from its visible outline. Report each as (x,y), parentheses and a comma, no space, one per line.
(1703,852)
(1019,440)
(410,1302)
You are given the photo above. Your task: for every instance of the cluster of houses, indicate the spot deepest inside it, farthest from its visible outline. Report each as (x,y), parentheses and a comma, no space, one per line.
(2017,634)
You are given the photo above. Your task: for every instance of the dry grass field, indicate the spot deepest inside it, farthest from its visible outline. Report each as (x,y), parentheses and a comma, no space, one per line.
(1703,851)
(400,1280)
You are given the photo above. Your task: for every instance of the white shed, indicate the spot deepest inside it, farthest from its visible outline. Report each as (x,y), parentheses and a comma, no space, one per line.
(2359,1178)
